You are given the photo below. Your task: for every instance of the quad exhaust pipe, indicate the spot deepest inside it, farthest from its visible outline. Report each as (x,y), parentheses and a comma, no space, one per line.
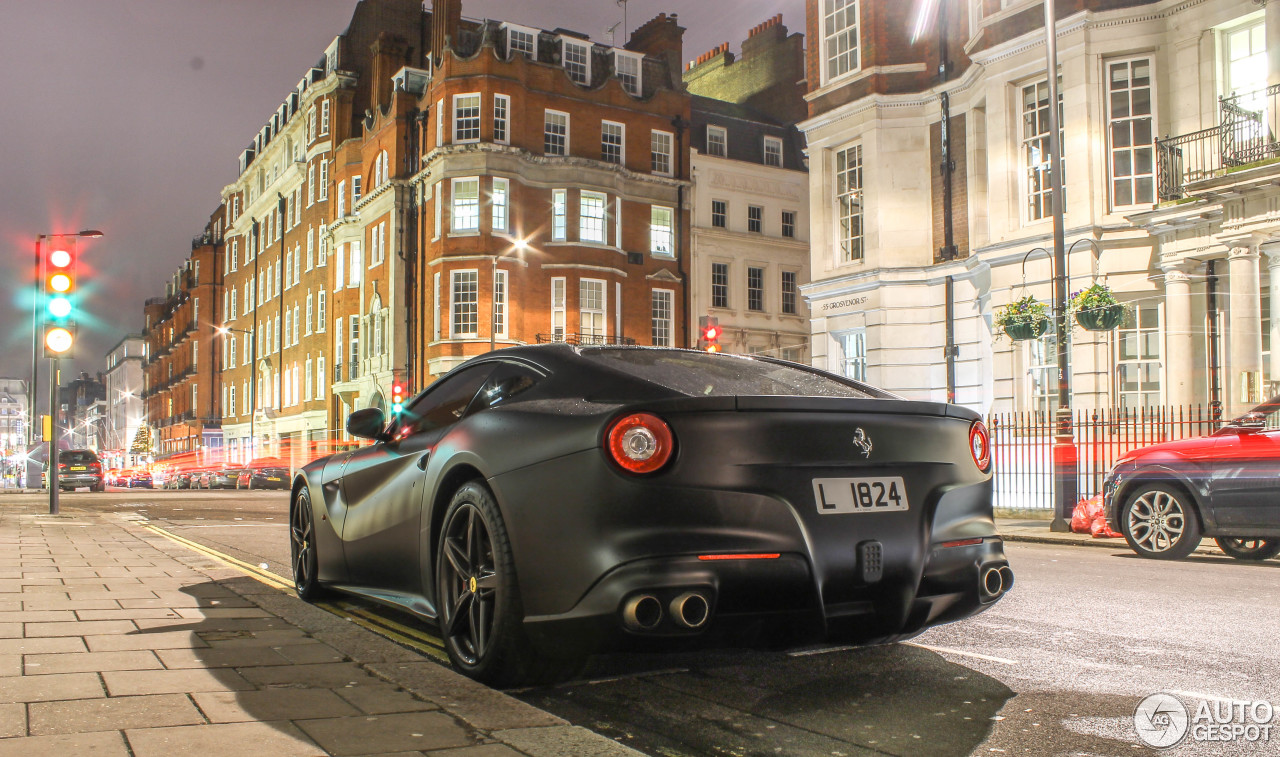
(995,581)
(645,612)
(690,610)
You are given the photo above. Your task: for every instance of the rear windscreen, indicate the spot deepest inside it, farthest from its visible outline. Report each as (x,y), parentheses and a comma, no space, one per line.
(717,375)
(77,457)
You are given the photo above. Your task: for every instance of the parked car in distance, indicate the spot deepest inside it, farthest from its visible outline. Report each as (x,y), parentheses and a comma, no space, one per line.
(79,467)
(543,502)
(140,478)
(1166,497)
(179,479)
(223,477)
(264,473)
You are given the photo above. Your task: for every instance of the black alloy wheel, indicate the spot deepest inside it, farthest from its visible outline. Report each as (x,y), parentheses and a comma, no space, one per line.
(1249,549)
(476,590)
(302,549)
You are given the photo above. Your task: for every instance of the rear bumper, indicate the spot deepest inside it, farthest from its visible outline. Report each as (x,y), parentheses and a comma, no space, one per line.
(765,600)
(76,480)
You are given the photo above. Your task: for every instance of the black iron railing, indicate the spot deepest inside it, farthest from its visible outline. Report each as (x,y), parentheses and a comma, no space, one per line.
(1246,134)
(584,339)
(1022,446)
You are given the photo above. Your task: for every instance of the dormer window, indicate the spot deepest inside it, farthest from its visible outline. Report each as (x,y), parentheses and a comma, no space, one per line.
(577,60)
(627,67)
(522,41)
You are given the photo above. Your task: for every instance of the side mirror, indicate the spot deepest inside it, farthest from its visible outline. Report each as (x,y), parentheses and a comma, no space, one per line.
(1249,422)
(367,424)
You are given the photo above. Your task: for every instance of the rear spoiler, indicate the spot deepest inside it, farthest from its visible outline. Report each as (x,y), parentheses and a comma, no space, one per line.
(778,403)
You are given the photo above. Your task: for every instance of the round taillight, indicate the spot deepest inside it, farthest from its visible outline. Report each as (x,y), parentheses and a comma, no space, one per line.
(640,442)
(980,445)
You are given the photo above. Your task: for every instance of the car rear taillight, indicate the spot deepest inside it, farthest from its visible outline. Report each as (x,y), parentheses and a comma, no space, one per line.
(980,446)
(640,442)
(95,467)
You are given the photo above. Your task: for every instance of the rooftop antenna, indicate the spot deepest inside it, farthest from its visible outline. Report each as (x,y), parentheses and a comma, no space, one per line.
(614,31)
(623,4)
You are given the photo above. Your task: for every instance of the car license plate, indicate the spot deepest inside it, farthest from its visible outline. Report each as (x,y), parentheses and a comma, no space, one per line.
(859,495)
(78,467)
(273,478)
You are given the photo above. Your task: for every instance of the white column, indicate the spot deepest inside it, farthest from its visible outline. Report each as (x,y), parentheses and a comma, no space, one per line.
(1273,266)
(1245,331)
(1179,363)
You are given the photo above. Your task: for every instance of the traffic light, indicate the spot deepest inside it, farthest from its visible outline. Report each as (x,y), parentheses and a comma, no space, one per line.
(709,328)
(397,397)
(58,271)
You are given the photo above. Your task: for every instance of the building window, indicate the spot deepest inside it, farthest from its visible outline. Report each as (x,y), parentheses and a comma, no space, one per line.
(773,151)
(628,70)
(577,61)
(323,256)
(717,141)
(559,213)
(500,303)
(324,179)
(498,201)
(853,362)
(849,198)
(789,224)
(755,219)
(466,206)
(355,191)
(354,343)
(611,142)
(1035,147)
(1245,61)
(719,285)
(1132,148)
(661,230)
(342,199)
(320,310)
(591,311)
(555,134)
(591,215)
(557,309)
(355,254)
(466,304)
(310,313)
(324,117)
(661,308)
(755,289)
(466,118)
(660,152)
(839,37)
(789,292)
(1138,364)
(719,214)
(521,41)
(501,116)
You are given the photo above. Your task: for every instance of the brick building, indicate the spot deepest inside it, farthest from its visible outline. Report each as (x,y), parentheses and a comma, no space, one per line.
(750,211)
(433,188)
(183,372)
(921,234)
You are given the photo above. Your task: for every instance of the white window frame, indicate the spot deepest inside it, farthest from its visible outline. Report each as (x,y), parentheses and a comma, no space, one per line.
(850,227)
(1132,328)
(621,144)
(755,289)
(632,80)
(1037,144)
(324,179)
(593,220)
(466,125)
(601,329)
(464,208)
(464,303)
(355,255)
(532,52)
(500,297)
(840,48)
(660,152)
(559,287)
(500,205)
(559,215)
(773,149)
(579,71)
(502,119)
(662,317)
(321,310)
(662,231)
(853,353)
(717,141)
(1131,125)
(550,137)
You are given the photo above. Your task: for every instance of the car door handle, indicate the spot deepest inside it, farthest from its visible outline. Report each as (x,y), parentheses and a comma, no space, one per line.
(422,461)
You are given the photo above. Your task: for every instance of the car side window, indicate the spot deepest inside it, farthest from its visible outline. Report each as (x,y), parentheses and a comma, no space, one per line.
(509,380)
(444,404)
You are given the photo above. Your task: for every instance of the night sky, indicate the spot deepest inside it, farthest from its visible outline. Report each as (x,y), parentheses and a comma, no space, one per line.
(128,116)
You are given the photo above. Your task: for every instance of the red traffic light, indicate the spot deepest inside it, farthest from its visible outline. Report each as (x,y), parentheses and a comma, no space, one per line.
(709,327)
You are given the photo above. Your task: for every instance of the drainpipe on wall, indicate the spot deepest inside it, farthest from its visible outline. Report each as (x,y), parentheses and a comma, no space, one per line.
(679,124)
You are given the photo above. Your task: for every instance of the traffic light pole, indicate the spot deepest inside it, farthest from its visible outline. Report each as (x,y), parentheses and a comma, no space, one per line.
(54,488)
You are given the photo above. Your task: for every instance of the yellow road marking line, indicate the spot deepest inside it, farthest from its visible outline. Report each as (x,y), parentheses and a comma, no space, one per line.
(384,627)
(266,577)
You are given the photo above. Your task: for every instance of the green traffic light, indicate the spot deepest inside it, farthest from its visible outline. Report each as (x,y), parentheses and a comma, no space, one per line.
(59,307)
(397,408)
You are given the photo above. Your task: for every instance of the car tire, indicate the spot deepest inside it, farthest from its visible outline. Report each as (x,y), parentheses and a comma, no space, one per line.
(302,549)
(1159,521)
(481,617)
(1249,549)
(98,488)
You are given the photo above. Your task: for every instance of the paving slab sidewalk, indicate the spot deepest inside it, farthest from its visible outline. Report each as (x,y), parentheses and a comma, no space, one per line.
(115,641)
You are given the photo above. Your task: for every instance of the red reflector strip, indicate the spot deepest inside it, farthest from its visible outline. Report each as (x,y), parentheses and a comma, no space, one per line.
(960,543)
(773,556)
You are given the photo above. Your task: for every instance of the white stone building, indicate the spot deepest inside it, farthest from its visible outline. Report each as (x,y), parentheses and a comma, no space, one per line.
(124,409)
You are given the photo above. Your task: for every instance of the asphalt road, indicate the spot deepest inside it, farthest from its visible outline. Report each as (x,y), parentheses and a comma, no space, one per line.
(1056,668)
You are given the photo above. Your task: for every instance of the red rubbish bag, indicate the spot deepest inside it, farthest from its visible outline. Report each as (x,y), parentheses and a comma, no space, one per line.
(1090,517)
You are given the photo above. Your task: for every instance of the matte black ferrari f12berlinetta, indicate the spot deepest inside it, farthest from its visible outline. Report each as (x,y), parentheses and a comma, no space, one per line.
(541,502)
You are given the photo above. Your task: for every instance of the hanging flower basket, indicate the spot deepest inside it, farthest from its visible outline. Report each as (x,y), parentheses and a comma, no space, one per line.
(1021,331)
(1023,319)
(1100,319)
(1097,309)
